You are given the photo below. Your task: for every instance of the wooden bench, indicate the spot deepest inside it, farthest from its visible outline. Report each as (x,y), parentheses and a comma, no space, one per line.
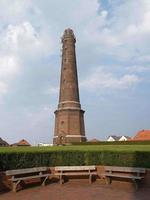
(132,173)
(19,175)
(63,171)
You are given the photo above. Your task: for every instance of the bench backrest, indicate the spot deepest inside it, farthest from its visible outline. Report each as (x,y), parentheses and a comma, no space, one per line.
(74,168)
(25,171)
(124,169)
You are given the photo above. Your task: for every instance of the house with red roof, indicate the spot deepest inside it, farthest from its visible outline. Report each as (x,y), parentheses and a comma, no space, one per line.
(22,142)
(142,135)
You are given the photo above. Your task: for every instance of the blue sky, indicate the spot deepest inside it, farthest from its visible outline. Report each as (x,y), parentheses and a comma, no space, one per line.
(113,56)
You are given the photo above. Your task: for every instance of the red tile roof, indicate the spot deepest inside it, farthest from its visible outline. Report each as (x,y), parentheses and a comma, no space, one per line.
(142,135)
(93,140)
(22,142)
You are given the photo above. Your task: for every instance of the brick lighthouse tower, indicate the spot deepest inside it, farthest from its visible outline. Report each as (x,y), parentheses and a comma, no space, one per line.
(69,117)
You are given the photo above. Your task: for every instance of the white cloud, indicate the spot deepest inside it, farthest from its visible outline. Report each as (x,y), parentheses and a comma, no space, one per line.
(123,32)
(138,68)
(100,79)
(14,39)
(18,44)
(115,32)
(9,68)
(145,58)
(24,40)
(3,88)
(133,25)
(13,11)
(52,90)
(21,35)
(118,32)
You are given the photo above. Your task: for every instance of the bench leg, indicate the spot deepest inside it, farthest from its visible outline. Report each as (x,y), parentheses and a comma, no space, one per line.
(90,178)
(14,186)
(43,182)
(108,180)
(136,184)
(61,179)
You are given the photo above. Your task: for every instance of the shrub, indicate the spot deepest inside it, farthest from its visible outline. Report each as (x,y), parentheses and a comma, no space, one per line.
(113,143)
(27,159)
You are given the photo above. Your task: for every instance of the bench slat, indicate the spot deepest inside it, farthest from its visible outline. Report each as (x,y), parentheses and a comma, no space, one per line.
(124,169)
(123,176)
(74,168)
(75,173)
(25,171)
(29,177)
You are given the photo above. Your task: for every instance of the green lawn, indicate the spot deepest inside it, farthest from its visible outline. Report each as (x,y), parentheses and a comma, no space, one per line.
(126,148)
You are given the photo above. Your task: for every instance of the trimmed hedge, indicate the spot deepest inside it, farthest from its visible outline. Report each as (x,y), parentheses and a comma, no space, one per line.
(114,143)
(18,160)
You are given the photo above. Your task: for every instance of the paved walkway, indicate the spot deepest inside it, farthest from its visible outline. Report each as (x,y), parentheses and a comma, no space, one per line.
(78,190)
